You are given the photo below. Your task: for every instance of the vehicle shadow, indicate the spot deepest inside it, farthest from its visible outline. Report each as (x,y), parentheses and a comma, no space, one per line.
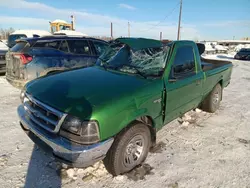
(43,169)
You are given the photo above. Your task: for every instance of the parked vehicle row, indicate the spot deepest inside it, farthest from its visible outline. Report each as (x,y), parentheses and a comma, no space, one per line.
(2,61)
(112,110)
(24,34)
(34,57)
(21,34)
(3,51)
(214,48)
(243,54)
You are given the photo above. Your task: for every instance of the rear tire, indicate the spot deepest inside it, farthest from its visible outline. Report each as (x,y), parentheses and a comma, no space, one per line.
(129,149)
(212,101)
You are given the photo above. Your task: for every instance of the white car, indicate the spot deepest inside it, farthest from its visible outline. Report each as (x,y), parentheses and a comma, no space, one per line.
(3,45)
(18,34)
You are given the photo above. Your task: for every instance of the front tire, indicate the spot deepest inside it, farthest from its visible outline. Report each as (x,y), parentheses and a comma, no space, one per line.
(129,149)
(212,101)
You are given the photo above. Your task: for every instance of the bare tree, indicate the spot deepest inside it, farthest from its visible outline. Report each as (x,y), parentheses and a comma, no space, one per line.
(4,33)
(196,39)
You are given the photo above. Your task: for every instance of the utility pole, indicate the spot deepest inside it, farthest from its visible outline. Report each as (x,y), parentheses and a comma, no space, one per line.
(73,24)
(160,35)
(111,30)
(179,25)
(128,29)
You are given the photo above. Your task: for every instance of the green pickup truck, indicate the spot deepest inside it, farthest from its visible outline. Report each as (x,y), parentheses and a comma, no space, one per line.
(112,111)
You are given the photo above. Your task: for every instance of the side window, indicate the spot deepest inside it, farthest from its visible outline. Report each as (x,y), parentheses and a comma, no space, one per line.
(47,44)
(184,63)
(54,44)
(61,27)
(100,47)
(64,46)
(80,47)
(19,47)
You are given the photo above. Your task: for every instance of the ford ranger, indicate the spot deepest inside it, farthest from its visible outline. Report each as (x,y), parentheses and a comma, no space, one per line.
(112,111)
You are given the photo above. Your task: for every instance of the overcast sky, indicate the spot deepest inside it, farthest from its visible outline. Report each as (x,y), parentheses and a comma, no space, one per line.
(201,19)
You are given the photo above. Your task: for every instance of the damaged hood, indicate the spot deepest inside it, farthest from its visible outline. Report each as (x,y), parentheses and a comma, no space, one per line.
(79,92)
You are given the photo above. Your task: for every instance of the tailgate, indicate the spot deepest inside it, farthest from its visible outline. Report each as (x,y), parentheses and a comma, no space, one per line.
(14,67)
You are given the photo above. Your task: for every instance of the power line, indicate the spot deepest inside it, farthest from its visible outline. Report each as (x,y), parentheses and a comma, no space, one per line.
(164,17)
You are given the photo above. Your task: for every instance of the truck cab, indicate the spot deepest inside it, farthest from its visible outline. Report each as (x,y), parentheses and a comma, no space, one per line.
(58,25)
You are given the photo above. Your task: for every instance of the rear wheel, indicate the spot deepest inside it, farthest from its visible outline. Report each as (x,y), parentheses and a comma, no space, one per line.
(129,149)
(212,101)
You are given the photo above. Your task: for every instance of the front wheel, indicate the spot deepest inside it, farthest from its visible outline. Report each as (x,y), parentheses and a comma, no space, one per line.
(212,101)
(129,149)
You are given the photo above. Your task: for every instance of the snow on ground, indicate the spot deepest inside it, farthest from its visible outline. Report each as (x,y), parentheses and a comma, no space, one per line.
(220,47)
(229,56)
(206,150)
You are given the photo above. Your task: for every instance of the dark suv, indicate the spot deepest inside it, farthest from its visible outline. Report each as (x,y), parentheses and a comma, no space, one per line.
(34,57)
(243,54)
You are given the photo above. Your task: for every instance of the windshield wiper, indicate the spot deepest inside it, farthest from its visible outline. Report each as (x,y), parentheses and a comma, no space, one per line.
(138,71)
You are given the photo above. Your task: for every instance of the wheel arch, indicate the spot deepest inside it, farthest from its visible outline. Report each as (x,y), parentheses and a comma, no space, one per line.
(52,70)
(221,82)
(149,122)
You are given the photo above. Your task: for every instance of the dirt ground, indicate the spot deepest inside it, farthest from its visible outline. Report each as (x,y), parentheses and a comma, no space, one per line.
(208,150)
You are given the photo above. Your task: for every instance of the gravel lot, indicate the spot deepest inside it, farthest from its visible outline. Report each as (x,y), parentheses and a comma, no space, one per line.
(208,150)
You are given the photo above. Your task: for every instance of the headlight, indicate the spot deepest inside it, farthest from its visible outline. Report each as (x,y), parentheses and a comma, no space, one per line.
(84,132)
(72,124)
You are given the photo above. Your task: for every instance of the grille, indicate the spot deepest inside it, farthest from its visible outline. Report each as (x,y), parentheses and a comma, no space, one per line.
(43,115)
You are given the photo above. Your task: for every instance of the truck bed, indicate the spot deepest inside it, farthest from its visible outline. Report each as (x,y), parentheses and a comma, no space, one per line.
(215,70)
(209,64)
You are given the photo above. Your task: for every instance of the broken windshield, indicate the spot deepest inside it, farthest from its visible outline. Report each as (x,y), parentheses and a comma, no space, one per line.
(148,62)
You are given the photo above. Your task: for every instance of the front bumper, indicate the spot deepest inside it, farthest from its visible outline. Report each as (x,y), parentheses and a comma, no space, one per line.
(65,151)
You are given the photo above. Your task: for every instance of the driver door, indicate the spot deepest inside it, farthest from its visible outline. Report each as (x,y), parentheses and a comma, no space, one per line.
(184,82)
